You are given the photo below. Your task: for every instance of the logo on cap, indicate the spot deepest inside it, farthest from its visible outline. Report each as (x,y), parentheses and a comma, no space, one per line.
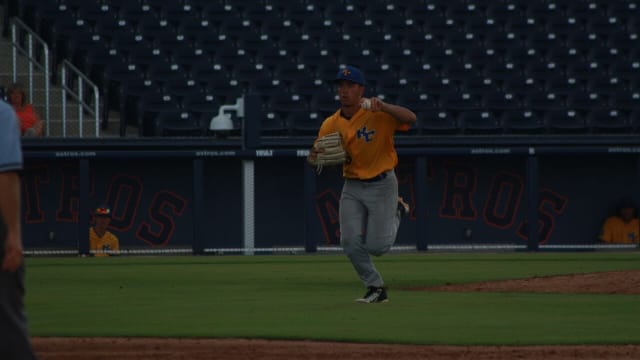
(346,72)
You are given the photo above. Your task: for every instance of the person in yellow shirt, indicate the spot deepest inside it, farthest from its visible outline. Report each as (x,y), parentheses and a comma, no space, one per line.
(624,227)
(101,241)
(370,209)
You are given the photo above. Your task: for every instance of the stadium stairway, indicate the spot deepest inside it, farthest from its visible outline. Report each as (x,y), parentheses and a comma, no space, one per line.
(55,99)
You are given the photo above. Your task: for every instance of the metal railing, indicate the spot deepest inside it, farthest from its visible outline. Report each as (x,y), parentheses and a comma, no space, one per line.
(70,73)
(18,29)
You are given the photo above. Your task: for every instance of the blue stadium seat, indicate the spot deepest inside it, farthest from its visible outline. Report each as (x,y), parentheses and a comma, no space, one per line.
(178,123)
(542,100)
(460,101)
(523,121)
(625,99)
(565,121)
(479,122)
(436,122)
(418,102)
(563,85)
(609,121)
(522,85)
(497,100)
(202,105)
(325,103)
(606,84)
(478,84)
(149,106)
(586,101)
(304,122)
(273,124)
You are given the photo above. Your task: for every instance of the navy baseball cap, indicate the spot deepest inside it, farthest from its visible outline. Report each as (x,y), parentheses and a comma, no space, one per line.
(103,210)
(351,73)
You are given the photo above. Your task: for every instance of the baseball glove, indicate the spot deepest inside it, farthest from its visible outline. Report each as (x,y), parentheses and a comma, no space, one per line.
(331,151)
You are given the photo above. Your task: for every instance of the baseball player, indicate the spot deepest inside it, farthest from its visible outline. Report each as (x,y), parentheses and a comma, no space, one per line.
(102,242)
(624,226)
(370,209)
(14,337)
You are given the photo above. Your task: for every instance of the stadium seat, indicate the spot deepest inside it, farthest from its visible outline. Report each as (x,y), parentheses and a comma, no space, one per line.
(542,100)
(477,84)
(304,122)
(479,122)
(436,122)
(563,85)
(606,84)
(182,88)
(586,101)
(459,101)
(149,107)
(201,105)
(325,103)
(522,85)
(273,124)
(179,123)
(523,121)
(625,100)
(496,100)
(608,121)
(565,121)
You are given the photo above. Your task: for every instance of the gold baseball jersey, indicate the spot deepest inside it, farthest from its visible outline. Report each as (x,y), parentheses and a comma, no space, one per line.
(368,139)
(98,245)
(615,230)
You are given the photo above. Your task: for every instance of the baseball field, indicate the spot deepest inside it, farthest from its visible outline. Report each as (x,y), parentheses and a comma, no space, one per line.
(213,307)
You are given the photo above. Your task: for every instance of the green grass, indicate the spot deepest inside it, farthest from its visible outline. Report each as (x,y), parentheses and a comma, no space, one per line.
(310,297)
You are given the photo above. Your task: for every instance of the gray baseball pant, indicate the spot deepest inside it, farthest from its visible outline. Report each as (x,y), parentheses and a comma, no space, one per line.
(369,223)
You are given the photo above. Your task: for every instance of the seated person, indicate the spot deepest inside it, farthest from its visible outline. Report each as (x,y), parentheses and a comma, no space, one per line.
(30,123)
(622,228)
(101,241)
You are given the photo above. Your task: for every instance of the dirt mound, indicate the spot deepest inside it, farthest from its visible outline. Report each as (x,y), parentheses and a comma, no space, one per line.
(613,282)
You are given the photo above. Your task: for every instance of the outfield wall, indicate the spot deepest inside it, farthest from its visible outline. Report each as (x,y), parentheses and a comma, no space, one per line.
(192,196)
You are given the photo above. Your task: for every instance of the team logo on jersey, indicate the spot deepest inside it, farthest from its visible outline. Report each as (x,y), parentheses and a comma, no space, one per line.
(367,135)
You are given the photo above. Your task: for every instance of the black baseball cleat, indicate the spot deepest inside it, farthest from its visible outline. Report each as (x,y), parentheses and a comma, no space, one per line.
(403,207)
(374,295)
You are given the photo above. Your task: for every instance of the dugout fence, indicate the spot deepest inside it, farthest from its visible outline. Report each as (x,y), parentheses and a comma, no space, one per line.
(205,196)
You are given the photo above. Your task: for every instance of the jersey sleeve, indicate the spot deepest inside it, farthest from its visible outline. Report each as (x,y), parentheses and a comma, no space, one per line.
(10,148)
(327,127)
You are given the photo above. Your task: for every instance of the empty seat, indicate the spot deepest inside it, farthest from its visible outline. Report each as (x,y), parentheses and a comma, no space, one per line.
(522,121)
(542,100)
(586,101)
(479,121)
(565,120)
(522,85)
(563,85)
(460,101)
(178,123)
(304,122)
(625,100)
(273,124)
(436,122)
(606,84)
(202,105)
(608,120)
(496,100)
(149,107)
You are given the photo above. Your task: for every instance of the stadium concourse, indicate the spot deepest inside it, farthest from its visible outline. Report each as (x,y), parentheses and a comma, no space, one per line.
(465,67)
